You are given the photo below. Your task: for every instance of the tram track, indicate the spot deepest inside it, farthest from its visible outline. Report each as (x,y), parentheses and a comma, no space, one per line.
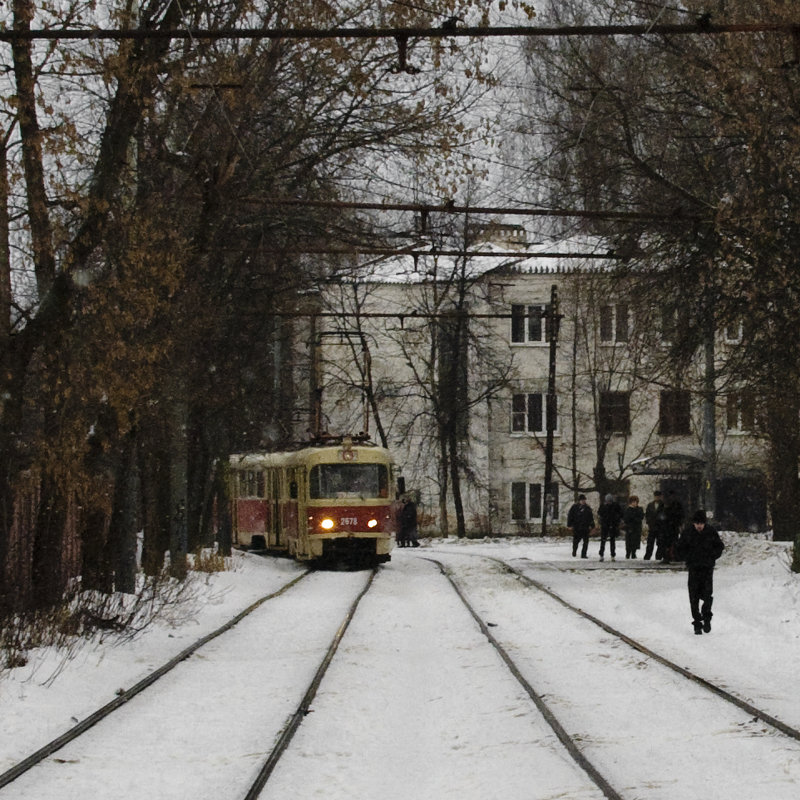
(594,769)
(544,709)
(757,713)
(754,711)
(123,697)
(518,651)
(293,723)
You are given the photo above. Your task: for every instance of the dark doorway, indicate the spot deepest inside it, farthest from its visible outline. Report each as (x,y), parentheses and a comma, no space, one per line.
(742,503)
(687,490)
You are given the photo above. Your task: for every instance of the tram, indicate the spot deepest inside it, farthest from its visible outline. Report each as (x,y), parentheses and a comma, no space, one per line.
(327,501)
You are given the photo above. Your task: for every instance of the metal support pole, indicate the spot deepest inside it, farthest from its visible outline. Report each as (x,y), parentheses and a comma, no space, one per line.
(550,405)
(710,423)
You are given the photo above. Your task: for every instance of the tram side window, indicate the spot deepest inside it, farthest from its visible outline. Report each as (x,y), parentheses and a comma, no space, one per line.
(349,480)
(251,484)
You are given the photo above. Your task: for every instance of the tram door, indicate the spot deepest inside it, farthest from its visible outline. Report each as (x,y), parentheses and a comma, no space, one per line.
(275,494)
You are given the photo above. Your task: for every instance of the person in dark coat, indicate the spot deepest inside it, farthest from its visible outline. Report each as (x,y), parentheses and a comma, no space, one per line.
(655,516)
(632,518)
(610,514)
(700,546)
(580,520)
(674,511)
(408,524)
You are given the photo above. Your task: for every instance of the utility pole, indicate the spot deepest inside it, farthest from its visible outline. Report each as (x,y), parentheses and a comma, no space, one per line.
(553,318)
(709,493)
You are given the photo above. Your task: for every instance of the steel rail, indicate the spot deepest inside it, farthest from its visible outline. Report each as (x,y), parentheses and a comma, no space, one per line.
(774,722)
(783,727)
(294,721)
(85,724)
(566,740)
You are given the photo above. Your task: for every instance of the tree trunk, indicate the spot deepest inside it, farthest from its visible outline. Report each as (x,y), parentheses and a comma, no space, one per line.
(6,498)
(96,574)
(47,574)
(223,509)
(155,505)
(783,412)
(444,525)
(178,478)
(455,480)
(125,517)
(30,137)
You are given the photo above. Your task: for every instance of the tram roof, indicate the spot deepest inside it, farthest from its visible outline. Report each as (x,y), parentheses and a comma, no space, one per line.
(335,449)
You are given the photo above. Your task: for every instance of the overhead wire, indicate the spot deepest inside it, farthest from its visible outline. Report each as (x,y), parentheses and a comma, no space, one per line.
(703,25)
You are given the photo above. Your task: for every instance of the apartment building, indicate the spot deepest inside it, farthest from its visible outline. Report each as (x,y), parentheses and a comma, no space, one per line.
(551,367)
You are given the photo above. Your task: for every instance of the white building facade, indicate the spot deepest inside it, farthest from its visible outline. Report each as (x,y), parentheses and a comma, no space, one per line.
(620,419)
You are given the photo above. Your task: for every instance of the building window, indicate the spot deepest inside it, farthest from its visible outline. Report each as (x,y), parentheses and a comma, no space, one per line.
(671,320)
(530,324)
(528,502)
(528,413)
(615,412)
(742,413)
(674,415)
(734,333)
(614,323)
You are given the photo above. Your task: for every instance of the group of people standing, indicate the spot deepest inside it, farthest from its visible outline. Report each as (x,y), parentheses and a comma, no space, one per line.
(699,544)
(663,520)
(407,523)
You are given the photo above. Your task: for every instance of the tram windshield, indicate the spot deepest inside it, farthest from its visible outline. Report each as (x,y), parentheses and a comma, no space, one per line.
(349,480)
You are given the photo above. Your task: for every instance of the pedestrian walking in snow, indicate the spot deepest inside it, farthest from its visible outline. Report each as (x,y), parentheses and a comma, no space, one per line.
(610,515)
(580,520)
(408,524)
(700,546)
(656,517)
(632,518)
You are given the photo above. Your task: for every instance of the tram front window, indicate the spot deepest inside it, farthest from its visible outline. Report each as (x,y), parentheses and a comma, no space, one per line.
(349,480)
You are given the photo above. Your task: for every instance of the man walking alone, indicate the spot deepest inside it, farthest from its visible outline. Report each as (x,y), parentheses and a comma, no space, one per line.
(700,546)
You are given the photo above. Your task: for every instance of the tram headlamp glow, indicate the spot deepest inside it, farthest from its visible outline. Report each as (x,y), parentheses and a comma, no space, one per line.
(372,523)
(326,524)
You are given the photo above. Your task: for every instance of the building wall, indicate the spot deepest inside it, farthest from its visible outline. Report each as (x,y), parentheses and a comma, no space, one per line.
(605,353)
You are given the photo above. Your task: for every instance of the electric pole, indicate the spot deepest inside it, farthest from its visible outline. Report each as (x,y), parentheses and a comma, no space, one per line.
(552,317)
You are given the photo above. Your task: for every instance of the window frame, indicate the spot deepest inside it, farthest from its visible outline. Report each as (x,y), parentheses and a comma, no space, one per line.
(530,324)
(533,498)
(738,337)
(675,412)
(614,327)
(742,413)
(530,416)
(617,413)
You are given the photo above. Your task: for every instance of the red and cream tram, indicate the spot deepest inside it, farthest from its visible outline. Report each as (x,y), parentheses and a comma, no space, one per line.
(332,501)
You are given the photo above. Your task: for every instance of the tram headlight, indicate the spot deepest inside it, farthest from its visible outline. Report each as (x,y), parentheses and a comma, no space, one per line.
(372,523)
(326,524)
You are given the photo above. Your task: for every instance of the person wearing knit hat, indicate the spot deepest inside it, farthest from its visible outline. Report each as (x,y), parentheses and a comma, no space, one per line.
(580,521)
(700,546)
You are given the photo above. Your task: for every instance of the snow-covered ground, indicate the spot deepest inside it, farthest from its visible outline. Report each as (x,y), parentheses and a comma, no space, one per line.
(416,703)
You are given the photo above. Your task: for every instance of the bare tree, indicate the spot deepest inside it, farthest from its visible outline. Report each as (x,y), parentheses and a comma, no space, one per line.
(159,273)
(701,131)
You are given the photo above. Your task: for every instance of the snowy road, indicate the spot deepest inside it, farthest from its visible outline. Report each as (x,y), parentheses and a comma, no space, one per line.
(417,704)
